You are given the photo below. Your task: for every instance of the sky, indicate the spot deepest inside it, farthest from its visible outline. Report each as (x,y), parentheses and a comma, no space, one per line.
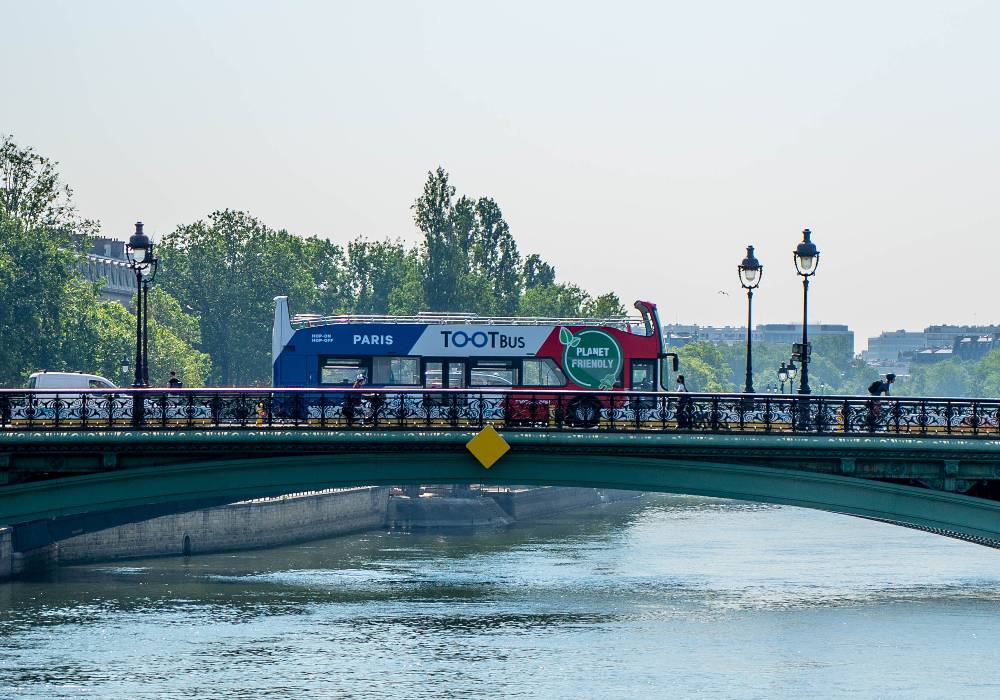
(639,147)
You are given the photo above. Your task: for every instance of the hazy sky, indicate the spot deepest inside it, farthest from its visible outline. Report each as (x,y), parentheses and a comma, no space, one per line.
(637,146)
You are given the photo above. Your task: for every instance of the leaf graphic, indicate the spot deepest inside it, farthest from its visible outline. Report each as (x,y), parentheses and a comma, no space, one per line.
(576,341)
(608,382)
(565,337)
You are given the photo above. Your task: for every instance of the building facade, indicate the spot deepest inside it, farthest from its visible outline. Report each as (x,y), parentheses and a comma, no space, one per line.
(106,264)
(678,335)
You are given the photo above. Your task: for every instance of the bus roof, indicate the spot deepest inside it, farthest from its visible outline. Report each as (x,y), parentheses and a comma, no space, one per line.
(434,318)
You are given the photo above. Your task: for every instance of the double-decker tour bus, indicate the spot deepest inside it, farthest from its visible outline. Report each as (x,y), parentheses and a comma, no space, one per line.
(478,354)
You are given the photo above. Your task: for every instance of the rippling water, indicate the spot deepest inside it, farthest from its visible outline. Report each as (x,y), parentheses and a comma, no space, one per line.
(659,597)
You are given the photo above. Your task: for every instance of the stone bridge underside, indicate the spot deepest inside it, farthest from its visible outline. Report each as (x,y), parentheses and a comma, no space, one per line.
(950,486)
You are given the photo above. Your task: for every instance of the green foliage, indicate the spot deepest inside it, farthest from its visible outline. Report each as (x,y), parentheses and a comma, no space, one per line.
(105,332)
(605,306)
(469,258)
(52,319)
(553,300)
(704,367)
(378,270)
(833,369)
(537,272)
(227,271)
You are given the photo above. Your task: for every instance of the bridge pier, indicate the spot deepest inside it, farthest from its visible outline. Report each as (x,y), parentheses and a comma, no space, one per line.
(6,553)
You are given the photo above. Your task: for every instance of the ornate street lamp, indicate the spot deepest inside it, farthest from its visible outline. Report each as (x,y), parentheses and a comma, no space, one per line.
(806,261)
(147,279)
(793,372)
(750,273)
(783,376)
(139,251)
(125,366)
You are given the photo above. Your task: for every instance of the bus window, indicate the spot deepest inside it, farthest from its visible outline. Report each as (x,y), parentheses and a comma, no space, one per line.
(339,371)
(643,375)
(441,374)
(434,375)
(456,375)
(500,373)
(542,372)
(396,371)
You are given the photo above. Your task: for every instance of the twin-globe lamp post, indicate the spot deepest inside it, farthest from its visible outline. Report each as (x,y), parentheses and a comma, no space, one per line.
(750,273)
(806,261)
(143,262)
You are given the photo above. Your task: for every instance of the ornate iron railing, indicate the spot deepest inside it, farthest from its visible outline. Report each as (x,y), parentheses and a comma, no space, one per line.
(467,409)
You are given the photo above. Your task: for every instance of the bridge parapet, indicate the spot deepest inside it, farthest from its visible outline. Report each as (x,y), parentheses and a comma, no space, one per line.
(463,409)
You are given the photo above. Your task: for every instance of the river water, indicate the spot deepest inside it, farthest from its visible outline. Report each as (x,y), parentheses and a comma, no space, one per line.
(657,597)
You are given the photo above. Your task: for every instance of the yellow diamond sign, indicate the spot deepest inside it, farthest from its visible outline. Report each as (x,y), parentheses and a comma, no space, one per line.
(488,446)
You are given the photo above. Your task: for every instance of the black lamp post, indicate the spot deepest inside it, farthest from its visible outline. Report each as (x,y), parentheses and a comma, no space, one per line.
(125,366)
(750,273)
(806,261)
(783,376)
(793,372)
(147,279)
(140,256)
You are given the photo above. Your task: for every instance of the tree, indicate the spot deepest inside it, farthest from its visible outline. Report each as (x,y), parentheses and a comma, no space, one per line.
(42,291)
(32,193)
(537,273)
(227,271)
(470,260)
(554,301)
(443,251)
(105,331)
(326,264)
(494,259)
(704,367)
(384,277)
(51,317)
(605,306)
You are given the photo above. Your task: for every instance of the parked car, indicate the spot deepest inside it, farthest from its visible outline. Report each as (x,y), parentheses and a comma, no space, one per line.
(61,381)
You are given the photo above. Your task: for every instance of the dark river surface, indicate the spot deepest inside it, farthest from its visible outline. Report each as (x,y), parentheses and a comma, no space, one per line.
(657,597)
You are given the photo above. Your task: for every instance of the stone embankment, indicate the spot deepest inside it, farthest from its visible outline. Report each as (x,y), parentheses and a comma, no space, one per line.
(297,518)
(489,508)
(239,526)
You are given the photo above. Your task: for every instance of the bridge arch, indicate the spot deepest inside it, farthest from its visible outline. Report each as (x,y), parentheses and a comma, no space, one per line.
(239,479)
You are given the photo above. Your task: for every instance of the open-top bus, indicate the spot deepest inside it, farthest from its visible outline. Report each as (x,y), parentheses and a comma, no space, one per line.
(477,354)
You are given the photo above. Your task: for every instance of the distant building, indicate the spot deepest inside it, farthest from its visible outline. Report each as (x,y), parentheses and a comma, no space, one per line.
(106,264)
(933,344)
(891,345)
(679,335)
(974,347)
(788,333)
(928,356)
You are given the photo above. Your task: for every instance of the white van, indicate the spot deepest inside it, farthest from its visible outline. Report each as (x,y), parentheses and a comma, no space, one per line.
(58,381)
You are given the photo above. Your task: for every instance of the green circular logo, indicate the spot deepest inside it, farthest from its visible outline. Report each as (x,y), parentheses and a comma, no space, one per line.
(591,358)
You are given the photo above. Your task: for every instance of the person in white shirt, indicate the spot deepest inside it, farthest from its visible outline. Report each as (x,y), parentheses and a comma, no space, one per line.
(683,405)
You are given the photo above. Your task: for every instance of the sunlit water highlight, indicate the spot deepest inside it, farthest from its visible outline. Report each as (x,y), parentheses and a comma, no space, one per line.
(659,597)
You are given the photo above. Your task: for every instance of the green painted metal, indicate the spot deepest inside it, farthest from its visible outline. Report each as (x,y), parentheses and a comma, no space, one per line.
(249,478)
(928,447)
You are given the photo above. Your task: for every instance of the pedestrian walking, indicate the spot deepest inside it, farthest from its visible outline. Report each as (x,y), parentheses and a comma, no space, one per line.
(683,404)
(174,382)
